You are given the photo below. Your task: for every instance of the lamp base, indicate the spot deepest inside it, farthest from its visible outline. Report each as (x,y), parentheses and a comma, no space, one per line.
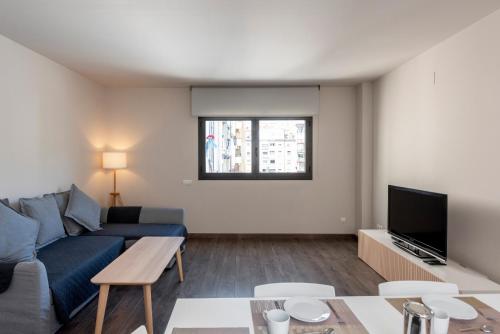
(114,196)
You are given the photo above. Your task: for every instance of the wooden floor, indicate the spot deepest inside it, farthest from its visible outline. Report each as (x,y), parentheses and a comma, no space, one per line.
(231,267)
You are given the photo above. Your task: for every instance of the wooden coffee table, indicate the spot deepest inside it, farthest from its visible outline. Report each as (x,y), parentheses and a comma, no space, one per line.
(141,264)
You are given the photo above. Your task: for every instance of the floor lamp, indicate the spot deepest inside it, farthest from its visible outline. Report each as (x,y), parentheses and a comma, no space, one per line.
(114,161)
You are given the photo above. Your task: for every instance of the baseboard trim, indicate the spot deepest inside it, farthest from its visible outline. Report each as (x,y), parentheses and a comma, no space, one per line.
(304,236)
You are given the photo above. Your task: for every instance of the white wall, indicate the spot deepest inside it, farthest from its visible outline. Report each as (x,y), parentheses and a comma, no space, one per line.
(55,122)
(445,136)
(50,126)
(156,127)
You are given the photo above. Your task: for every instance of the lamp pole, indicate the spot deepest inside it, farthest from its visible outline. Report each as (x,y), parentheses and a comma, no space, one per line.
(114,194)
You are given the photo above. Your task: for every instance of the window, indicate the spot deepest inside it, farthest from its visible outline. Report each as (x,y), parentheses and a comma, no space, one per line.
(243,148)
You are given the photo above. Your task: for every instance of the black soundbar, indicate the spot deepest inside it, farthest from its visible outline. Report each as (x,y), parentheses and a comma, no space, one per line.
(428,259)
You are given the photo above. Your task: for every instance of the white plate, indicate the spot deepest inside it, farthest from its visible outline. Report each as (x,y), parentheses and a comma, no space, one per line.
(455,308)
(307,309)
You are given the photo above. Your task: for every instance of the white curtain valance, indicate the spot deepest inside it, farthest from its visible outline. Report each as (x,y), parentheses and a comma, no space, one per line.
(249,102)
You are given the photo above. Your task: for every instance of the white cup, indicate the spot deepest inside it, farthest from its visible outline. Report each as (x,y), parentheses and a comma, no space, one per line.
(278,321)
(440,322)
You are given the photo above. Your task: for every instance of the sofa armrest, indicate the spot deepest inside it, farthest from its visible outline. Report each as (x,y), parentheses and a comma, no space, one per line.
(104,215)
(162,215)
(25,307)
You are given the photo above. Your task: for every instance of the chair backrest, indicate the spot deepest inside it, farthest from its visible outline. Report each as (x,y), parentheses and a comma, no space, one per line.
(140,330)
(416,288)
(294,290)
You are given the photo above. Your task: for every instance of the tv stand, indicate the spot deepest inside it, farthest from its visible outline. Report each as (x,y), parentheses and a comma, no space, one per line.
(376,248)
(410,249)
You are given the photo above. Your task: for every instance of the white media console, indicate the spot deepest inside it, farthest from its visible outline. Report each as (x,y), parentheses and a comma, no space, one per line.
(376,249)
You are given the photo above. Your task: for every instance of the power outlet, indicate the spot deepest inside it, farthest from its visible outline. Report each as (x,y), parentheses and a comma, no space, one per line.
(380,227)
(343,220)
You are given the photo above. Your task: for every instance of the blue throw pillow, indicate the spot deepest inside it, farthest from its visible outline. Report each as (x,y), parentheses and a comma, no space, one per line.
(18,236)
(83,209)
(45,211)
(71,227)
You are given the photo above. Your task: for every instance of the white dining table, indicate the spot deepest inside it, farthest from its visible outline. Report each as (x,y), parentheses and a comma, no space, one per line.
(374,312)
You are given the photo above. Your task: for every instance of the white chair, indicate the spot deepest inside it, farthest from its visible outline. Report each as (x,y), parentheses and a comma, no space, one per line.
(416,288)
(140,330)
(294,290)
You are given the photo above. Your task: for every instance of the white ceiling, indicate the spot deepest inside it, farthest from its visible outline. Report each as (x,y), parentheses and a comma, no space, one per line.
(180,42)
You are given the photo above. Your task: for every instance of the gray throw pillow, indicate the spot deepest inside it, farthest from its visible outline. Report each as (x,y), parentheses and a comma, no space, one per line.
(83,209)
(45,211)
(5,201)
(72,228)
(18,236)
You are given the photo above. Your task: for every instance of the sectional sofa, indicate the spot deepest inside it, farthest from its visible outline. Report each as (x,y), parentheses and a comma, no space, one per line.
(47,292)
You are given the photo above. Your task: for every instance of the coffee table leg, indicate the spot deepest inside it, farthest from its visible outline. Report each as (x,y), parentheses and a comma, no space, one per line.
(148,308)
(179,264)
(101,307)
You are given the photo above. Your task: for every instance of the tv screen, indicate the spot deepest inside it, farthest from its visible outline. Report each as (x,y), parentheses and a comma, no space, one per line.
(420,218)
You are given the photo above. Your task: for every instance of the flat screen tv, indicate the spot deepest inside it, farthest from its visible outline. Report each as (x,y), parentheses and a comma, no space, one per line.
(419,218)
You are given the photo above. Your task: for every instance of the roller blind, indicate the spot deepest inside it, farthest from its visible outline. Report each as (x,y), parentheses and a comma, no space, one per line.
(247,102)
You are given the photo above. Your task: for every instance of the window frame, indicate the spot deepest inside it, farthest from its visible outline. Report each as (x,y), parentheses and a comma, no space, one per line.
(255,174)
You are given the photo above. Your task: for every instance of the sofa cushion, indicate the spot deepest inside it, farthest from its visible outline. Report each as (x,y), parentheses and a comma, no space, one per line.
(123,214)
(45,211)
(83,209)
(72,228)
(18,236)
(162,215)
(137,231)
(71,263)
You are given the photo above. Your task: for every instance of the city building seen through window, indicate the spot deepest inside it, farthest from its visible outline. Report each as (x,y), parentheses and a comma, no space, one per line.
(255,148)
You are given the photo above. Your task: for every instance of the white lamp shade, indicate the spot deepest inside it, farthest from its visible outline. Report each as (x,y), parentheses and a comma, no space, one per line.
(114,160)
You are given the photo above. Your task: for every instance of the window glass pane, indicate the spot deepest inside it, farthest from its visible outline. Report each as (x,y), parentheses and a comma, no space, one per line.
(282,146)
(228,147)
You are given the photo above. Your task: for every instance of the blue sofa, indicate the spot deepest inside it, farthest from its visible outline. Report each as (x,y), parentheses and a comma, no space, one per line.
(48,292)
(70,263)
